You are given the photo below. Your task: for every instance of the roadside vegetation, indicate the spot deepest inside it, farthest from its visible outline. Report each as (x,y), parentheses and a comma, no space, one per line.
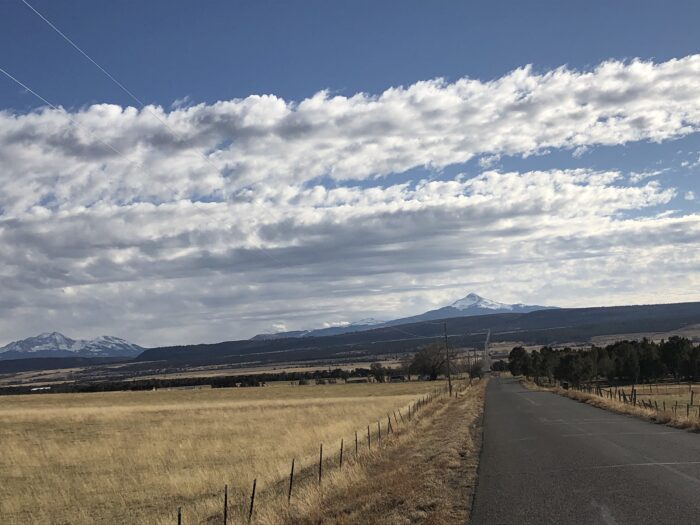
(651,380)
(624,362)
(427,477)
(678,415)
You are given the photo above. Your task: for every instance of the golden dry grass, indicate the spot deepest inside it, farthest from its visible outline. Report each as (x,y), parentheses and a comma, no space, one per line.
(677,419)
(427,476)
(668,393)
(134,457)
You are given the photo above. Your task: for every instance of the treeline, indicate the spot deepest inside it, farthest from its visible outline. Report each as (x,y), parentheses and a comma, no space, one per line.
(620,362)
(214,382)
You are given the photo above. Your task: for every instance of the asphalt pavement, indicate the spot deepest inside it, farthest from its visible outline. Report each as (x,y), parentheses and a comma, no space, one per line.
(548,459)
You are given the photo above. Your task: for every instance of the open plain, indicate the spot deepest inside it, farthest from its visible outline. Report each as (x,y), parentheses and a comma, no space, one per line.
(135,457)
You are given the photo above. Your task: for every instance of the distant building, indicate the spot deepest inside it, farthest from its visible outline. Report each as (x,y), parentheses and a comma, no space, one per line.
(359,380)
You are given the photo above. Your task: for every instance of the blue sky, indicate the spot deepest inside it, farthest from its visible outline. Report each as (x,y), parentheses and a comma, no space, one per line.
(218,50)
(339,219)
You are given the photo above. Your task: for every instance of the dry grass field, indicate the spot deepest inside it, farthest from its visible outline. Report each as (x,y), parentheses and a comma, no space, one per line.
(670,393)
(134,457)
(428,478)
(70,375)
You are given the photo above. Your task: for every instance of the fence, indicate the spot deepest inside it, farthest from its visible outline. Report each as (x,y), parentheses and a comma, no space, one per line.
(237,507)
(632,398)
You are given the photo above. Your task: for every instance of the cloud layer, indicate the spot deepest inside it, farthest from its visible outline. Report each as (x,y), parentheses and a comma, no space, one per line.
(219,224)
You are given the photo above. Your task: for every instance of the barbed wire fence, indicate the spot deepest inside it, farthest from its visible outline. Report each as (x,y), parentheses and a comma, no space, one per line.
(239,505)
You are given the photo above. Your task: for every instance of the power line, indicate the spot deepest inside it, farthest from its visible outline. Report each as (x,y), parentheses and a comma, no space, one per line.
(126,90)
(447,355)
(106,144)
(71,120)
(415,336)
(142,105)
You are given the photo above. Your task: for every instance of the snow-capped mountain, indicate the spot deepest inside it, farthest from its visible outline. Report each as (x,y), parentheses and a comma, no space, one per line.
(367,321)
(472,300)
(54,344)
(470,305)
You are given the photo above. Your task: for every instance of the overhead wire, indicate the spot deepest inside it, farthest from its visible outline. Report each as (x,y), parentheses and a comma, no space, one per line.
(71,120)
(142,105)
(104,143)
(113,79)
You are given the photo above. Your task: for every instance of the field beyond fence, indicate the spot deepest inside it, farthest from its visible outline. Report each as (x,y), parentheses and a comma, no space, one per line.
(136,457)
(677,404)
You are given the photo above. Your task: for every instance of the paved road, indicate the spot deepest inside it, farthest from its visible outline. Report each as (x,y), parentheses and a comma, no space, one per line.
(547,459)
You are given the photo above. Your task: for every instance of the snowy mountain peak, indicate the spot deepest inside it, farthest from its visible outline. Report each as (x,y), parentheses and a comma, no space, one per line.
(472,304)
(476,301)
(367,321)
(55,344)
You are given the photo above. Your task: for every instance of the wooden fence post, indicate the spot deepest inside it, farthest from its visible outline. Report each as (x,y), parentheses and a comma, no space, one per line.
(291,482)
(369,439)
(355,444)
(179,516)
(320,464)
(379,434)
(225,504)
(341,455)
(252,501)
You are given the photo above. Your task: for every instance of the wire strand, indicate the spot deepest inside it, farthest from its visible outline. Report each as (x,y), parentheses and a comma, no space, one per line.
(57,108)
(126,90)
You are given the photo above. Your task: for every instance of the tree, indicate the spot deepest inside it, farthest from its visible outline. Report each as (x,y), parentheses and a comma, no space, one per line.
(674,353)
(549,362)
(519,361)
(405,365)
(606,366)
(650,365)
(476,369)
(430,360)
(499,366)
(378,371)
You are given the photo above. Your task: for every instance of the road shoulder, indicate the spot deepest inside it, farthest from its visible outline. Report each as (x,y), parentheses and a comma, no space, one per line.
(427,477)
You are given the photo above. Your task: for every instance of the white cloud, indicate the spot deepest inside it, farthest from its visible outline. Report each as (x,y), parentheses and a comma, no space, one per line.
(489,161)
(261,139)
(689,196)
(580,151)
(166,246)
(189,271)
(638,176)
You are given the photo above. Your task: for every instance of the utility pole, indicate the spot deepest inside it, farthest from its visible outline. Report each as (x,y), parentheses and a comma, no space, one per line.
(470,362)
(447,355)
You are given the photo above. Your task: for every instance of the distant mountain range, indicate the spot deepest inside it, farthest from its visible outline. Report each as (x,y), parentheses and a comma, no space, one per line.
(54,344)
(468,306)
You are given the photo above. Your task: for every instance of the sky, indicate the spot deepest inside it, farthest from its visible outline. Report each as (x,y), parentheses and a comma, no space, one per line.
(214,170)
